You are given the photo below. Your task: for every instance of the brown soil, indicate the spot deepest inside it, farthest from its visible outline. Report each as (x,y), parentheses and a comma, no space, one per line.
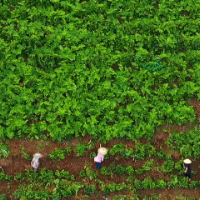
(121,21)
(115,67)
(196,105)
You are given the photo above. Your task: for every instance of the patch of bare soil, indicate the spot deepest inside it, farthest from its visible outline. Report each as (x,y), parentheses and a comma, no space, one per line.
(196,105)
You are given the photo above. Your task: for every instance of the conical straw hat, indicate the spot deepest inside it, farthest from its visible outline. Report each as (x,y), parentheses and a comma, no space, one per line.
(187,161)
(37,155)
(103,151)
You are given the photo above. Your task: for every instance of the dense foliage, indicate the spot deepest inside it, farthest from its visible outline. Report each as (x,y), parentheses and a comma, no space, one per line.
(108,68)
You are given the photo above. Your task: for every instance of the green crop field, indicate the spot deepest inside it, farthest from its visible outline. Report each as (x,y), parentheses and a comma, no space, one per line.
(75,74)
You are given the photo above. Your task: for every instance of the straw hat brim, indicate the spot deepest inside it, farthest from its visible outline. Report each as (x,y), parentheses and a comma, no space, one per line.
(103,151)
(37,155)
(187,161)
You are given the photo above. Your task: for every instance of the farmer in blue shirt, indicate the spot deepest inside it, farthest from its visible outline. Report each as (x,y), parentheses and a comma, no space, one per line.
(36,161)
(4,153)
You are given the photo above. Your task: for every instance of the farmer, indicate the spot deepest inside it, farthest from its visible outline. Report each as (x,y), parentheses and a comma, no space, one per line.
(3,161)
(36,161)
(188,169)
(100,156)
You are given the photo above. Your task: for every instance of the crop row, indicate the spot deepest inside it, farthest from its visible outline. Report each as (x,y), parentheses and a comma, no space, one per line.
(186,144)
(68,188)
(140,151)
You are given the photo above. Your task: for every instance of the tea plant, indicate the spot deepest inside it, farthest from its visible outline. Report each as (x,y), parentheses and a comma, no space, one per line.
(30,176)
(108,170)
(64,174)
(129,170)
(5,177)
(90,189)
(168,166)
(3,197)
(31,191)
(187,144)
(60,153)
(106,189)
(149,165)
(25,155)
(19,176)
(117,148)
(161,184)
(80,149)
(120,170)
(46,175)
(91,174)
(82,173)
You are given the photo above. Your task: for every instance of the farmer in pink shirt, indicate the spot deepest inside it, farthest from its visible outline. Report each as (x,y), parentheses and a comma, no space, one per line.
(100,156)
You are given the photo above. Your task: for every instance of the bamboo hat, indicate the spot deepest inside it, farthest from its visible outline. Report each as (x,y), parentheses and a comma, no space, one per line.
(37,155)
(187,161)
(103,151)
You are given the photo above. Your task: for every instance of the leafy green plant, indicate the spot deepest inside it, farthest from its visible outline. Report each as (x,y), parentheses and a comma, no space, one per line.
(25,155)
(139,171)
(129,170)
(81,149)
(90,145)
(106,189)
(92,155)
(40,146)
(3,197)
(90,189)
(19,176)
(161,154)
(63,174)
(161,184)
(91,174)
(153,66)
(148,183)
(117,148)
(60,153)
(57,154)
(47,175)
(30,176)
(82,173)
(68,150)
(194,184)
(179,166)
(148,165)
(108,170)
(138,184)
(187,144)
(5,177)
(31,191)
(168,166)
(120,170)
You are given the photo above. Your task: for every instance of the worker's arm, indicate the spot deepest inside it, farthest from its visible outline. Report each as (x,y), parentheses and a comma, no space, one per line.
(186,169)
